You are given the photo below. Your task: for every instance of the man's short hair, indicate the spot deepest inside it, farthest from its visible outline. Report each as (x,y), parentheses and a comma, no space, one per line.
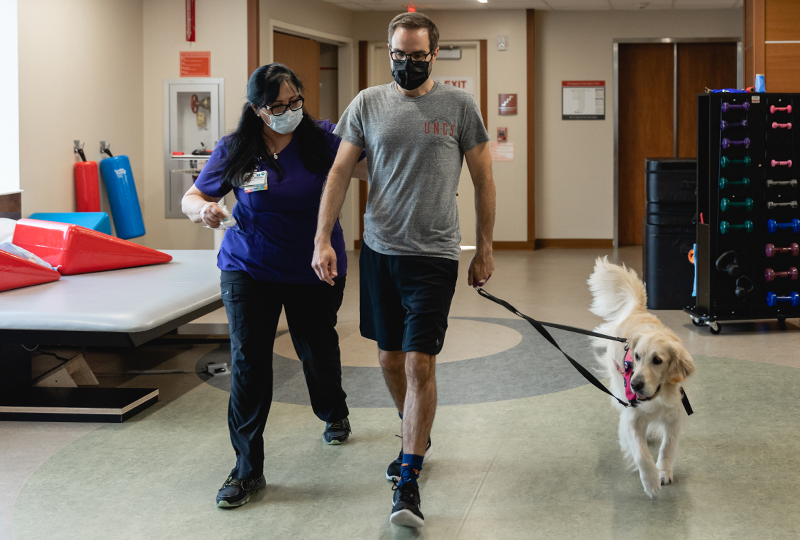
(416,20)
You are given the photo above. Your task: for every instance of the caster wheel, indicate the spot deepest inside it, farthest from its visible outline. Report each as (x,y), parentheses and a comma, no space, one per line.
(714,328)
(697,321)
(781,320)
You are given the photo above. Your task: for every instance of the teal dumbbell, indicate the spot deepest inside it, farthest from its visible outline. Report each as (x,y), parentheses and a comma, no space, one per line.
(725,227)
(723,182)
(727,162)
(726,204)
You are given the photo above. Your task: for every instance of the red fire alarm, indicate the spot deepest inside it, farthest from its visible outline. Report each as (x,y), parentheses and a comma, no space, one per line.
(508,104)
(502,134)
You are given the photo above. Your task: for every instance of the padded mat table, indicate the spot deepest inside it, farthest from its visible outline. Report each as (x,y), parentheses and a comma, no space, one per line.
(117,308)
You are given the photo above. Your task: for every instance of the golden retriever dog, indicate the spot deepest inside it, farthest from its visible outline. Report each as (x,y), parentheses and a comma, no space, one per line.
(658,364)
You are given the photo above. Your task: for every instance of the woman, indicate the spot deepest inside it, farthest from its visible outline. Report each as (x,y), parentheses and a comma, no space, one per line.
(276,163)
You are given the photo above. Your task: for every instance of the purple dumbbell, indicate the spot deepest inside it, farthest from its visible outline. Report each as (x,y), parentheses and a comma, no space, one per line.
(793,248)
(791,273)
(773,299)
(727,142)
(773,226)
(732,106)
(723,125)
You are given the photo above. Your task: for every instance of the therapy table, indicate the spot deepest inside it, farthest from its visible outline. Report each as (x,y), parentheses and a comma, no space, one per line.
(117,308)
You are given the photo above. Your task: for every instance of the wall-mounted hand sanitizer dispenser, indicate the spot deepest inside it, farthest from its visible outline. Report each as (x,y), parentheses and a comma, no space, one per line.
(194,121)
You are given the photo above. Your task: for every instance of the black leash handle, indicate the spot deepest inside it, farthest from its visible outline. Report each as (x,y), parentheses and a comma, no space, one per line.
(540,327)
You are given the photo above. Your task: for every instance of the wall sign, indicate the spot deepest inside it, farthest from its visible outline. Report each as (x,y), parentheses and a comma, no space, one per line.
(502,151)
(195,63)
(583,100)
(465,83)
(189,20)
(508,104)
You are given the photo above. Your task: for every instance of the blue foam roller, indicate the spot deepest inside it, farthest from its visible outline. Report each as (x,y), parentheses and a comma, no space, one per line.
(97,221)
(122,197)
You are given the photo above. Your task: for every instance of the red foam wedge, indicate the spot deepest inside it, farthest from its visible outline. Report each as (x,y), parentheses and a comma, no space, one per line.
(77,250)
(16,272)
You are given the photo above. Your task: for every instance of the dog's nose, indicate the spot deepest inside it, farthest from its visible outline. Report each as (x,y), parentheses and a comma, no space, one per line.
(637,385)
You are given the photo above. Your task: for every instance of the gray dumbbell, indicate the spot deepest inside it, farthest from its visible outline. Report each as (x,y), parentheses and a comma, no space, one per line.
(792,183)
(771,205)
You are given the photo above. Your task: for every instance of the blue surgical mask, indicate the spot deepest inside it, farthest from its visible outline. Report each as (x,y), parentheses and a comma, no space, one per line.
(285,123)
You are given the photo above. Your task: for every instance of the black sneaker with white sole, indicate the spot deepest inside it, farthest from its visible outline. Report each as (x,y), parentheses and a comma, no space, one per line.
(393,472)
(235,492)
(405,506)
(336,432)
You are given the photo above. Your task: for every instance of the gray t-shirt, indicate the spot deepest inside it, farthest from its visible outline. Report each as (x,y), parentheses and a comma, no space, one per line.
(415,150)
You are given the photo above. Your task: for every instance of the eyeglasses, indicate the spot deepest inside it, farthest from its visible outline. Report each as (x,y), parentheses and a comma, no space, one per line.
(400,56)
(277,110)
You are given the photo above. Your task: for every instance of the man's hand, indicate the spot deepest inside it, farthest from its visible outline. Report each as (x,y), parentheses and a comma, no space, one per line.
(324,262)
(481,268)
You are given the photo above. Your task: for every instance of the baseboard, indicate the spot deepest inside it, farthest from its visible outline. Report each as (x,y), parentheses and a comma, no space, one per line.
(574,243)
(503,245)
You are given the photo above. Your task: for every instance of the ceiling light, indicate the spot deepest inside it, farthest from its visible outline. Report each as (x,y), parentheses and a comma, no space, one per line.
(483,1)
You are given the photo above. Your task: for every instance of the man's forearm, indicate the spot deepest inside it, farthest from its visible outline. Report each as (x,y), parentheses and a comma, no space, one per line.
(333,196)
(485,209)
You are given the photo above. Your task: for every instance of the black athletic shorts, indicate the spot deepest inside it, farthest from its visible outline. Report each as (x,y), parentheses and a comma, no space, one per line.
(405,300)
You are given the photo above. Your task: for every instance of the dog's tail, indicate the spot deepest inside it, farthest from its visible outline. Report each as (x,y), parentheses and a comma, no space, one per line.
(616,290)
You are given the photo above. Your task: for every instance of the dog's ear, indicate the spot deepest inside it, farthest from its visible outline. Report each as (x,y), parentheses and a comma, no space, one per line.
(681,365)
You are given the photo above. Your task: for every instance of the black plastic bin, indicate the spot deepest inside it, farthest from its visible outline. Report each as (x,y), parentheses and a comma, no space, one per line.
(669,232)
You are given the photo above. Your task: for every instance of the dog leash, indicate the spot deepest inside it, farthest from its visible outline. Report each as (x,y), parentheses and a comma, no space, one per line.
(540,327)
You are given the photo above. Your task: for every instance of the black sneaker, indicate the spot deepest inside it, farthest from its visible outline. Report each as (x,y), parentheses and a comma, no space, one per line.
(393,472)
(405,506)
(336,432)
(235,492)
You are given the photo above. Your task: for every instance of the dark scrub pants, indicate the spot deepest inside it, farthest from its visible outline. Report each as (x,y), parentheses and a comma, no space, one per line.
(254,308)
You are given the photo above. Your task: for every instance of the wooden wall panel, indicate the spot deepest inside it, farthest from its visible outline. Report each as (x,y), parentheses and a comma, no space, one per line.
(253,36)
(530,105)
(700,66)
(782,20)
(302,57)
(754,36)
(11,206)
(645,126)
(783,67)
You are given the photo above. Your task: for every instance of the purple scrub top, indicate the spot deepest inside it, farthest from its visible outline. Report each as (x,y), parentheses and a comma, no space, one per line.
(275,240)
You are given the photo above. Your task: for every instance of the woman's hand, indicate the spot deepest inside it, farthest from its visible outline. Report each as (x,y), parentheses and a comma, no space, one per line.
(211,214)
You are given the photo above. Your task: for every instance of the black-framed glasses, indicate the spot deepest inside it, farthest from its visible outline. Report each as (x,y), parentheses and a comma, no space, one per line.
(277,110)
(400,56)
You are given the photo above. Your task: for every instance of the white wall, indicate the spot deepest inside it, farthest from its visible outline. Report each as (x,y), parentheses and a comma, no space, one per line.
(506,75)
(80,77)
(575,159)
(221,28)
(9,97)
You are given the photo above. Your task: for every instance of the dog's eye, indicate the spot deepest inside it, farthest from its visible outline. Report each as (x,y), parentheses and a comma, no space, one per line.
(637,356)
(656,360)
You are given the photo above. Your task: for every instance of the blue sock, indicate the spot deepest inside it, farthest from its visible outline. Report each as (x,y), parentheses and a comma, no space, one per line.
(409,471)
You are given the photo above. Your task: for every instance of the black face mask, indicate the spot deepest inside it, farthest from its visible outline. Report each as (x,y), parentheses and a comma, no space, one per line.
(410,75)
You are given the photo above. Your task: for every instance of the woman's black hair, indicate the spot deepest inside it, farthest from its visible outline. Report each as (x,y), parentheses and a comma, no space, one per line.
(247,142)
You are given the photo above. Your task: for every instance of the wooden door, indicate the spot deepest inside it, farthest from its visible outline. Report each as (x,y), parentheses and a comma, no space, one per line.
(700,66)
(645,119)
(301,55)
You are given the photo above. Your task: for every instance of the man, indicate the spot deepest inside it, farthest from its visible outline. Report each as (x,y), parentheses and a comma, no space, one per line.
(417,133)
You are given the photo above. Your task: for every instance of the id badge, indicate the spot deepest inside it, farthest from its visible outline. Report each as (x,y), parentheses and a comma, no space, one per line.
(256,182)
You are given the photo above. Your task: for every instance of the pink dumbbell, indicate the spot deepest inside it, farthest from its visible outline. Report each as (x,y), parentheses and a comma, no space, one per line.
(781,163)
(771,250)
(776,125)
(775,109)
(770,274)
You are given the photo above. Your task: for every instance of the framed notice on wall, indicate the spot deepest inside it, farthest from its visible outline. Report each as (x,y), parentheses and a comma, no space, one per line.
(583,100)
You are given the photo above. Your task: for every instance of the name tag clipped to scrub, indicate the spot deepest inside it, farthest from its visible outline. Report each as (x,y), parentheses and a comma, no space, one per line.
(257,181)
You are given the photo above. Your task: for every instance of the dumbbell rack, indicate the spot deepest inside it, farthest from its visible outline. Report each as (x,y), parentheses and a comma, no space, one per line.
(745,167)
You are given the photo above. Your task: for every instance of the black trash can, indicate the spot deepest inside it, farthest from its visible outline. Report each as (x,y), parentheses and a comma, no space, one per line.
(669,232)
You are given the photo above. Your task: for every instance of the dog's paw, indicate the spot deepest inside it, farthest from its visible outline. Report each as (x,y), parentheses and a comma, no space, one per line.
(651,481)
(665,476)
